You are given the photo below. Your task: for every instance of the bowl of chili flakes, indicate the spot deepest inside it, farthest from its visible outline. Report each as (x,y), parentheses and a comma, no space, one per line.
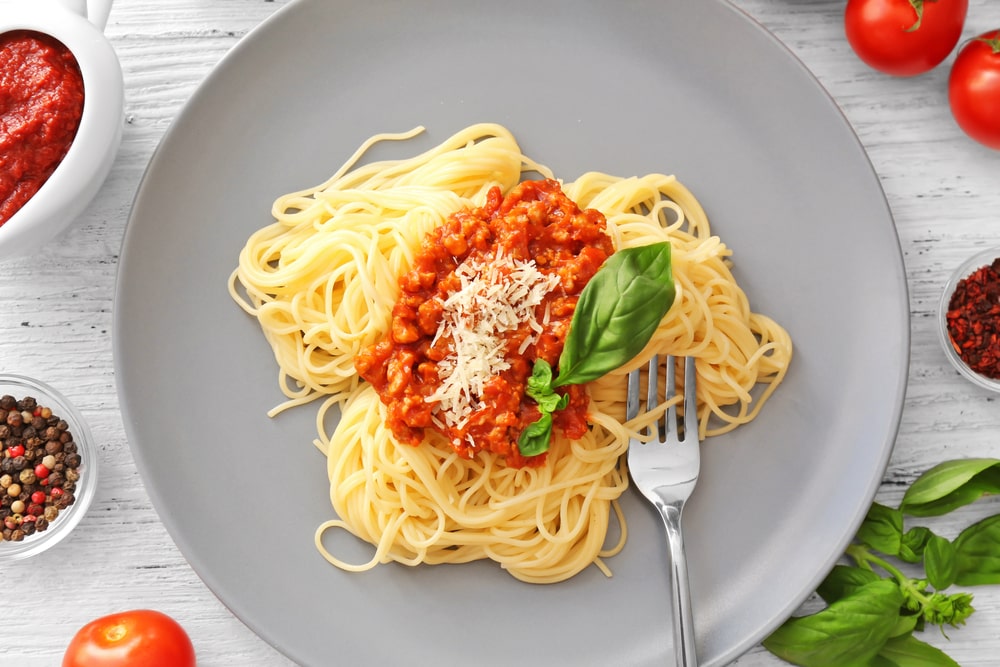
(969,319)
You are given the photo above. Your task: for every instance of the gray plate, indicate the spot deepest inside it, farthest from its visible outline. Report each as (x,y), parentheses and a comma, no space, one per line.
(693,88)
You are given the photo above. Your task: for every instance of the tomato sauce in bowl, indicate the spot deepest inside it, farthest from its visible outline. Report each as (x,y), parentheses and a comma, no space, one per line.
(41,103)
(61,160)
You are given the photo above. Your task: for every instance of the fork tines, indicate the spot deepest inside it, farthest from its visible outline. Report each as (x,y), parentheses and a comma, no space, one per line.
(667,426)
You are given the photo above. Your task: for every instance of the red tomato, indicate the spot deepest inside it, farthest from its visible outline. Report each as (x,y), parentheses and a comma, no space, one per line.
(904,37)
(139,638)
(974,89)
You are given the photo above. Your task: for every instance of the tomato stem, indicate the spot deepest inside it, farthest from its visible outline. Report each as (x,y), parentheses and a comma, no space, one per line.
(993,42)
(918,8)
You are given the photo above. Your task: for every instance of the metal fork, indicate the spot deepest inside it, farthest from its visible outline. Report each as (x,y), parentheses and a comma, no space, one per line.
(666,471)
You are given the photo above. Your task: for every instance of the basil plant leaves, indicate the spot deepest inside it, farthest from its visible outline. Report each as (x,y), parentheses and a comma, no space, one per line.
(874,606)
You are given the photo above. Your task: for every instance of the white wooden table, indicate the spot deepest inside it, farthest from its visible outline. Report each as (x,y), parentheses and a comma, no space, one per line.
(56,315)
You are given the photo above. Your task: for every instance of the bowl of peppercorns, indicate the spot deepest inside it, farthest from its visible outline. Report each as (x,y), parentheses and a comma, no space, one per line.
(970,319)
(48,469)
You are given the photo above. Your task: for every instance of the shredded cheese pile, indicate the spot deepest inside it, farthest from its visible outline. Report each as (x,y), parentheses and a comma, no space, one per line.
(495,298)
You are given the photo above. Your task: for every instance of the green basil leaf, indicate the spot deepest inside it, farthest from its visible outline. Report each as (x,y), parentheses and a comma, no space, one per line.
(911,550)
(940,562)
(540,382)
(535,438)
(882,529)
(909,651)
(906,624)
(977,559)
(951,485)
(848,633)
(553,402)
(844,580)
(539,387)
(617,313)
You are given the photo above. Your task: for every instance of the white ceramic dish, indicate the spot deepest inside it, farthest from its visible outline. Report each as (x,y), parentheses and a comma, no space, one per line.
(20,387)
(964,270)
(693,88)
(86,165)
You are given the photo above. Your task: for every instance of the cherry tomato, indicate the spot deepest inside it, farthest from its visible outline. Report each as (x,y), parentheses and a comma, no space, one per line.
(974,89)
(904,37)
(141,637)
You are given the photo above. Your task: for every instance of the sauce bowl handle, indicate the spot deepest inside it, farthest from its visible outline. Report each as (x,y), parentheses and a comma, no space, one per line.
(96,11)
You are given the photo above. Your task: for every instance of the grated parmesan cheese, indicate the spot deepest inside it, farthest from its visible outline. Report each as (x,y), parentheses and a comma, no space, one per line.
(496,296)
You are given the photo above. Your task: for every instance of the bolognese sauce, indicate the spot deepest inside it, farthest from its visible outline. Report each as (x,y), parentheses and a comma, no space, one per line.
(490,291)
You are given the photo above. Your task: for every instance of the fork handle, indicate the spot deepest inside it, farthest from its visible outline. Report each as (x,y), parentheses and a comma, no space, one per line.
(685,654)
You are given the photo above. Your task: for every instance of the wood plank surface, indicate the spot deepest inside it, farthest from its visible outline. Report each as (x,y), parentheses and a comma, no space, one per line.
(56,319)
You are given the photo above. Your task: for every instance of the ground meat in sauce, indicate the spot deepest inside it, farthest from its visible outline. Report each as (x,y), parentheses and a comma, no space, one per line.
(535,221)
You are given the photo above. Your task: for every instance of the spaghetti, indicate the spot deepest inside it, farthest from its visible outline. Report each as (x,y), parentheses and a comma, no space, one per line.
(323,279)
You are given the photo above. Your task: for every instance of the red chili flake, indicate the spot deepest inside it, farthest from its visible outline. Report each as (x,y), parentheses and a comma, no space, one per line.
(973,320)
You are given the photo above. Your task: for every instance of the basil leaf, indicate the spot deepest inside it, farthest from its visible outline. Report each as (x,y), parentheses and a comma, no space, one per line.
(911,550)
(539,387)
(844,580)
(540,382)
(882,529)
(848,633)
(940,562)
(617,313)
(553,402)
(977,559)
(950,485)
(535,438)
(911,652)
(906,624)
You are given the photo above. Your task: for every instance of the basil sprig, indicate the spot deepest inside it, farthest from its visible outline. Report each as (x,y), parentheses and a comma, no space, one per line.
(615,316)
(534,439)
(873,608)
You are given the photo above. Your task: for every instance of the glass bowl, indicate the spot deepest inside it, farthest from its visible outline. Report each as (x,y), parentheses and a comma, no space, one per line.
(61,525)
(967,268)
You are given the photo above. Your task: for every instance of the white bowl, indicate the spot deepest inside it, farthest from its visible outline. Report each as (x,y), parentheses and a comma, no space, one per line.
(20,387)
(83,170)
(965,269)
